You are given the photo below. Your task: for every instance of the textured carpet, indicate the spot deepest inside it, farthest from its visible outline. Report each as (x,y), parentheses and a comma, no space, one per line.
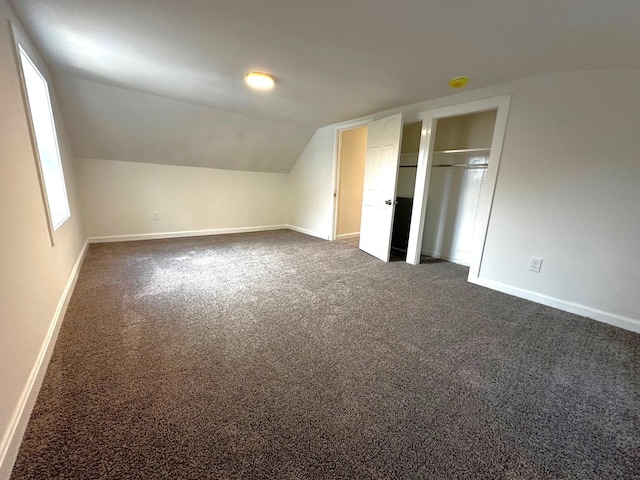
(279,356)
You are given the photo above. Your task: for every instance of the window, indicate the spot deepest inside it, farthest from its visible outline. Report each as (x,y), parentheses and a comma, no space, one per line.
(46,141)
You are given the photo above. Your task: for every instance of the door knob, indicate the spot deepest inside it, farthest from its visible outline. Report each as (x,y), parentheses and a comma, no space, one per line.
(388,202)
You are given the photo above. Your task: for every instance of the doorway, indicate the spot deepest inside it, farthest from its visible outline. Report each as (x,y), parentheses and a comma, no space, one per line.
(352,152)
(354,149)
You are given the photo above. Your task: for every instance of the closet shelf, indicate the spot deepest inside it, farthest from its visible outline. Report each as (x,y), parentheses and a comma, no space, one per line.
(412,156)
(464,165)
(462,151)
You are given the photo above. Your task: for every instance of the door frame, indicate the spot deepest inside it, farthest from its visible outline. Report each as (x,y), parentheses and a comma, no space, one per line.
(423,173)
(335,181)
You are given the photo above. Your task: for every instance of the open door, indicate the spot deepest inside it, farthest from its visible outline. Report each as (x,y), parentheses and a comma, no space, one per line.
(380,177)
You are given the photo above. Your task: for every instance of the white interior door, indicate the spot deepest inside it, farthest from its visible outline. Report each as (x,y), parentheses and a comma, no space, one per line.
(380,176)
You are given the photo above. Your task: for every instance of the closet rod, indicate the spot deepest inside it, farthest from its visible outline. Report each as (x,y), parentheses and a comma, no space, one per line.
(475,165)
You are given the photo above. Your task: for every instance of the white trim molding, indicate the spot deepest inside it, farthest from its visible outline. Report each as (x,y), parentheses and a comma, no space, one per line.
(307,232)
(12,437)
(335,178)
(611,318)
(347,235)
(200,233)
(186,233)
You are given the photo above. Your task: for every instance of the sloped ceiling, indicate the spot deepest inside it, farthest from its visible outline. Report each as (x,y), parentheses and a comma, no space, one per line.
(162,80)
(107,122)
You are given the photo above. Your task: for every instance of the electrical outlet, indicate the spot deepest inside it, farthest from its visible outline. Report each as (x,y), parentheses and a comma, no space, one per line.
(535,264)
(156,215)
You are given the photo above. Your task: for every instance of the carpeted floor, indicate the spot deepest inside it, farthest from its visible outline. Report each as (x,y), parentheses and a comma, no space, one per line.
(279,356)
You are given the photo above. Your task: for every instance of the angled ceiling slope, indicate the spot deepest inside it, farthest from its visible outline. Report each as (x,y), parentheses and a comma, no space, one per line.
(333,60)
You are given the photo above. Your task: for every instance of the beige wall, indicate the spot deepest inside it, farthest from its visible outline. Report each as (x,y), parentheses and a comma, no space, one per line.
(33,274)
(119,198)
(465,131)
(411,137)
(353,153)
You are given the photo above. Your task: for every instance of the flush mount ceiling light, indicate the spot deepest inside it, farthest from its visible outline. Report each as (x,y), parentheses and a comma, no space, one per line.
(458,82)
(259,80)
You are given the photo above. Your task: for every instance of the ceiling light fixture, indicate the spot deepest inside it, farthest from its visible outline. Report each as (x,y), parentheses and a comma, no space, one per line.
(259,80)
(458,82)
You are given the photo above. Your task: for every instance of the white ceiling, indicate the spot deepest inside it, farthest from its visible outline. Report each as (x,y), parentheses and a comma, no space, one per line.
(333,60)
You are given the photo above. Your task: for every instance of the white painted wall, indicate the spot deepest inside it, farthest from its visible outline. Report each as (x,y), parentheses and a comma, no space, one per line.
(118,198)
(567,191)
(34,274)
(310,186)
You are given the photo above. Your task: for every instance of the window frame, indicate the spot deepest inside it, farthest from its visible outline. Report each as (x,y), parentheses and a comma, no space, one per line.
(23,55)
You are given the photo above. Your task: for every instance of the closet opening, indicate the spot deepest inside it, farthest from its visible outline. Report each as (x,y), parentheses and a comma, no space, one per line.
(461,148)
(460,161)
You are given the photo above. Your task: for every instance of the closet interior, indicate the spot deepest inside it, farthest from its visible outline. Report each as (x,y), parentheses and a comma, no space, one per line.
(409,147)
(460,161)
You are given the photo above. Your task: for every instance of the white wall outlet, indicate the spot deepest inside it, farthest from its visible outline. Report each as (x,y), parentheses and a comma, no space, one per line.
(535,264)
(156,215)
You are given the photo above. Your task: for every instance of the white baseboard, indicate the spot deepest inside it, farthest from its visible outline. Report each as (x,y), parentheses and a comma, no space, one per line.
(10,443)
(198,233)
(342,236)
(185,233)
(307,232)
(611,318)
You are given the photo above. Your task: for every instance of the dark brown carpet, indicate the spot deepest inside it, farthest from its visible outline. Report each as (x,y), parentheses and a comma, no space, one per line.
(279,356)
